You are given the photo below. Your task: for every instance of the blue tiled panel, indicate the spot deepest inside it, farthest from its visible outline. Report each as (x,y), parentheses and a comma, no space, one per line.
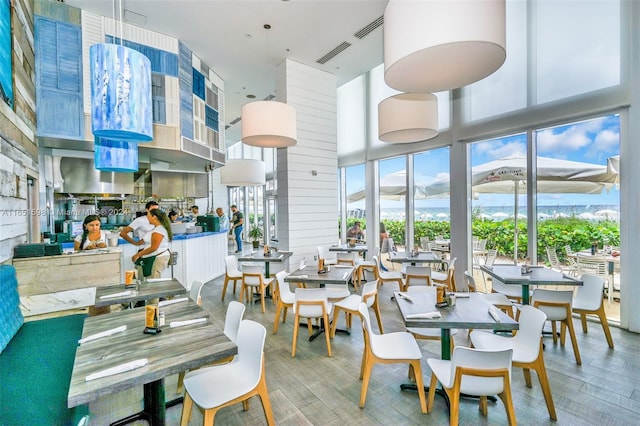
(6,81)
(58,47)
(211,118)
(198,84)
(10,315)
(185,75)
(162,62)
(158,97)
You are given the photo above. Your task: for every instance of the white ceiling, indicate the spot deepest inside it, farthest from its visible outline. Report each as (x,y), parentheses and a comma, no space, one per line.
(229,36)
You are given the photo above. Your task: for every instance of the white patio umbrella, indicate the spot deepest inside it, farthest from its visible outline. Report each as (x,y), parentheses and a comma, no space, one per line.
(394,187)
(508,175)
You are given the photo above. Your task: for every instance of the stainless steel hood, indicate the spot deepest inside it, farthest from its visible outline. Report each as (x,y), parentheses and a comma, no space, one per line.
(178,184)
(79,176)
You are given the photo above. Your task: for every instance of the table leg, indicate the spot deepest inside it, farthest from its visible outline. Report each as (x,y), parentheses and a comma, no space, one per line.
(321,329)
(154,410)
(525,294)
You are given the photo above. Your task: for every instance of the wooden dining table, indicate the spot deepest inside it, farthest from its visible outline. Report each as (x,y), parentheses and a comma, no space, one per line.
(171,351)
(410,257)
(536,275)
(469,312)
(150,289)
(259,256)
(347,248)
(337,274)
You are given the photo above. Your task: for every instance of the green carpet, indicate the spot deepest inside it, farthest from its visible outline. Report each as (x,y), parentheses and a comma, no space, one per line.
(35,371)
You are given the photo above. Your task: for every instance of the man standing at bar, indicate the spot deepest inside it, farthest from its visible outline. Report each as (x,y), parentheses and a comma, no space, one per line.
(238,221)
(224,220)
(140,224)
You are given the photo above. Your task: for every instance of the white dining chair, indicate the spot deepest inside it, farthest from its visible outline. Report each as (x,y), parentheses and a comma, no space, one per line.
(285,299)
(232,273)
(557,305)
(588,301)
(473,372)
(398,347)
(220,386)
(311,303)
(527,349)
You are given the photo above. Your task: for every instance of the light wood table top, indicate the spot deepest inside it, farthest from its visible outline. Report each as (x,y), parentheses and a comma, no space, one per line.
(469,312)
(339,274)
(172,351)
(147,290)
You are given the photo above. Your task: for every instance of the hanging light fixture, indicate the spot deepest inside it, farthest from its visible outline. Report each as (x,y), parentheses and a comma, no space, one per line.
(268,124)
(243,173)
(408,117)
(115,155)
(121,106)
(437,45)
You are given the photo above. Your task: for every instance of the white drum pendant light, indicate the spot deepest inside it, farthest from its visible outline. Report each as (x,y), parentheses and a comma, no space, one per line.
(438,45)
(408,117)
(268,124)
(243,173)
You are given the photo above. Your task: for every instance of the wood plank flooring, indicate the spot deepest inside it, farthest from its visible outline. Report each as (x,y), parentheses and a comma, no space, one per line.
(313,389)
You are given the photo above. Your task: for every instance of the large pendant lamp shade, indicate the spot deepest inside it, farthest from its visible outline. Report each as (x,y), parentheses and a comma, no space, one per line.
(439,45)
(268,124)
(408,117)
(243,173)
(120,93)
(115,155)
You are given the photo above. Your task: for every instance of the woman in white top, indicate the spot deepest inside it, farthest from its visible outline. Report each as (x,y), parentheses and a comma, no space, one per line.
(92,237)
(154,258)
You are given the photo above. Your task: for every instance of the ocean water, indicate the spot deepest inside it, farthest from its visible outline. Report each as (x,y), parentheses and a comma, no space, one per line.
(593,211)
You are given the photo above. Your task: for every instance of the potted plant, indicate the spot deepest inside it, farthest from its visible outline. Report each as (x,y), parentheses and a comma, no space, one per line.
(255,234)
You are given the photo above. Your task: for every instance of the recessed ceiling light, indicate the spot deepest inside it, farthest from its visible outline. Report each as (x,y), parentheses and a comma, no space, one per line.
(247,35)
(250,96)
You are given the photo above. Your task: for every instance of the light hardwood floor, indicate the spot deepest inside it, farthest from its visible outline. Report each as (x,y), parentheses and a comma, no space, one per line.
(313,389)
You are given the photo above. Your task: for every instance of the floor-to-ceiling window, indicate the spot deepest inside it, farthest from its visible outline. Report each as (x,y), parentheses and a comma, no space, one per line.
(354,187)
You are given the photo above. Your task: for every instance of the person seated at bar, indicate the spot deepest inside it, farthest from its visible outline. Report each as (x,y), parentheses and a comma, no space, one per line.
(92,236)
(173,216)
(355,232)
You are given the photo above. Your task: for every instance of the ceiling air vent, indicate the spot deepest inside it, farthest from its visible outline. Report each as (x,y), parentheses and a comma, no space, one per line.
(326,58)
(369,28)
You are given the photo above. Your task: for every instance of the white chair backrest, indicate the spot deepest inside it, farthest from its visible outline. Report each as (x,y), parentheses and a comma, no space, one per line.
(231,263)
(527,339)
(321,253)
(479,244)
(471,282)
(366,320)
(595,265)
(492,255)
(235,312)
(252,274)
(387,245)
(589,295)
(418,275)
(451,264)
(311,295)
(251,337)
(568,250)
(553,258)
(481,360)
(194,293)
(346,258)
(283,286)
(555,296)
(369,291)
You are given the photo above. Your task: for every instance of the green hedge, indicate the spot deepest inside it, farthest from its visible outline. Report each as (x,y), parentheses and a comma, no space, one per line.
(577,233)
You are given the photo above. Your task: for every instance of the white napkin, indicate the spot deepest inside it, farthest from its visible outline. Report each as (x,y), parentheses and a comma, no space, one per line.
(493,311)
(346,274)
(425,315)
(174,324)
(122,293)
(462,295)
(301,276)
(103,334)
(172,301)
(302,266)
(157,280)
(342,266)
(405,296)
(127,366)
